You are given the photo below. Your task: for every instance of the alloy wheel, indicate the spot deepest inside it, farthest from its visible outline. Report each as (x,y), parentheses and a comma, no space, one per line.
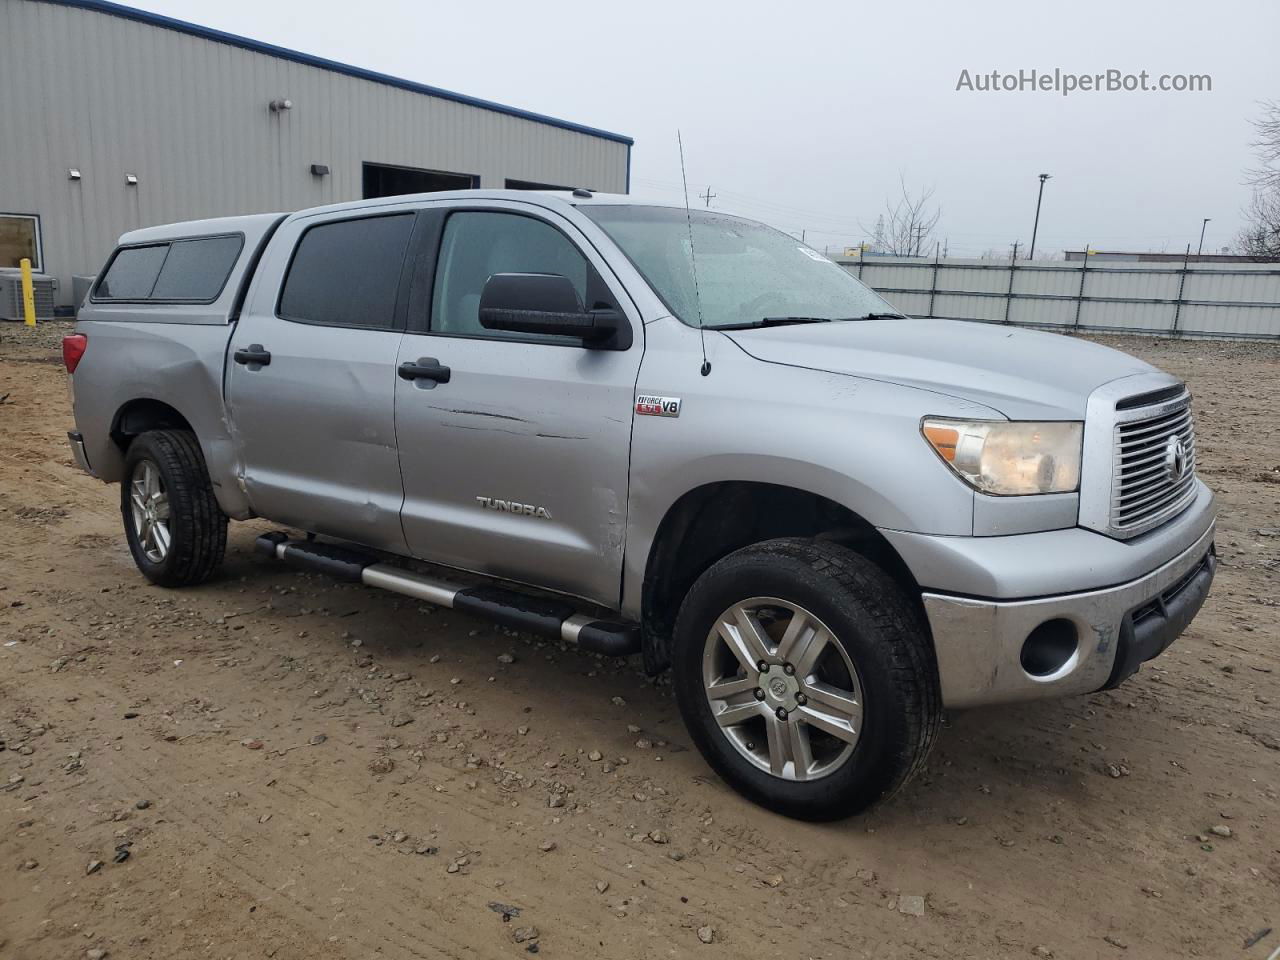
(781,689)
(149,503)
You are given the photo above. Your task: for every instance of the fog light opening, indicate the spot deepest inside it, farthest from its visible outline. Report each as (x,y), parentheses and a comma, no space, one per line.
(1049,648)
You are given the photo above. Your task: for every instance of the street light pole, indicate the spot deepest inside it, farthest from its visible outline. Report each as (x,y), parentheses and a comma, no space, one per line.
(1200,248)
(1039,197)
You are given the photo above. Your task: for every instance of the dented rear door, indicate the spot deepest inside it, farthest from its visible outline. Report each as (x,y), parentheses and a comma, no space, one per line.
(311,375)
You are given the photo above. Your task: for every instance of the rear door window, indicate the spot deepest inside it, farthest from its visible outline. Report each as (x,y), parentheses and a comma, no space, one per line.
(347,272)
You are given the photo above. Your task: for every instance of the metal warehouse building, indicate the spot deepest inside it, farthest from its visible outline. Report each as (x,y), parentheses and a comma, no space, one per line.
(115,118)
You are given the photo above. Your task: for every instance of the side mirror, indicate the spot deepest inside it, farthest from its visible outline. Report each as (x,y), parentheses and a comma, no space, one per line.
(545,303)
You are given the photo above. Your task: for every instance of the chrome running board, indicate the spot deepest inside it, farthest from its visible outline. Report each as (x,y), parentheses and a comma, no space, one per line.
(547,617)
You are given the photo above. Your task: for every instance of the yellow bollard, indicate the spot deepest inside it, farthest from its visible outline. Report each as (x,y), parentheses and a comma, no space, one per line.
(28,293)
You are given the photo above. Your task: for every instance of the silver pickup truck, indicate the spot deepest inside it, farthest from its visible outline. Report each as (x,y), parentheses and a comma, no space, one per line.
(643,430)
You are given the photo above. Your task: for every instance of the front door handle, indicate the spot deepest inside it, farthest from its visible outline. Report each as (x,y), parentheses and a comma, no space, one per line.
(254,353)
(424,368)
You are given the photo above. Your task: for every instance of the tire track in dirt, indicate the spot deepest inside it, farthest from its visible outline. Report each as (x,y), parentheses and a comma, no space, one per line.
(144,781)
(246,866)
(350,813)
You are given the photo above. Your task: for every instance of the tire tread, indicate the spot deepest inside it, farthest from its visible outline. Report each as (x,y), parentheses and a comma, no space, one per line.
(915,666)
(198,525)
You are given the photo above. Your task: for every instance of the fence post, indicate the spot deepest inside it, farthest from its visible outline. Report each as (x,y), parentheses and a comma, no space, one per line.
(933,287)
(1182,282)
(1008,295)
(1084,269)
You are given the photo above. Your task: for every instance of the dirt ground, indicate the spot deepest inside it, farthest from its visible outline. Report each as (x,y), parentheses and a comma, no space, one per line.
(305,769)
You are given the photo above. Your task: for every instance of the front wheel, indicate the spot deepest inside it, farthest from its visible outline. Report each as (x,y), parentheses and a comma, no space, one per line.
(806,677)
(176,531)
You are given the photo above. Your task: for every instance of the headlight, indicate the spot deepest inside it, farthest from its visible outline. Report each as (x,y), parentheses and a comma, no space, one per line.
(1009,459)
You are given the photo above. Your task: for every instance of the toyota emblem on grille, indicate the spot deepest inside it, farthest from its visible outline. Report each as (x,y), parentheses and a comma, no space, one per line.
(1175,459)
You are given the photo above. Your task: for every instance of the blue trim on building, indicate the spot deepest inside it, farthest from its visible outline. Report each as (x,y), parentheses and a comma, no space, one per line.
(270,49)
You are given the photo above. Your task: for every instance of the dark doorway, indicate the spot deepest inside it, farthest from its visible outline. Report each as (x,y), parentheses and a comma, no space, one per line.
(384,180)
(532,185)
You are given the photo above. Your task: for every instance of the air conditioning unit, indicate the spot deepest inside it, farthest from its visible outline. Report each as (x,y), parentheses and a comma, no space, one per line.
(11,295)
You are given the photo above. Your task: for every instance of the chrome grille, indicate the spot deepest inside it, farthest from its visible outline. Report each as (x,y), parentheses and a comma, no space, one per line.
(1147,486)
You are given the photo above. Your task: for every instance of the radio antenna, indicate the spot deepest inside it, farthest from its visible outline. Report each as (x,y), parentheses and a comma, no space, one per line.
(693,260)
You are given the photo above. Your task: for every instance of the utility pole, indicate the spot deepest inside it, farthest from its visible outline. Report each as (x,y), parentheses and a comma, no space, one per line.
(1200,249)
(1015,252)
(802,233)
(1039,197)
(708,196)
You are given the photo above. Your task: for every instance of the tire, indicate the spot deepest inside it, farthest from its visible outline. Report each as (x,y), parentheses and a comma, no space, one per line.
(195,528)
(877,654)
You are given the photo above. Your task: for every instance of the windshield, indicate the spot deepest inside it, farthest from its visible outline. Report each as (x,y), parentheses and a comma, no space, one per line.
(747,273)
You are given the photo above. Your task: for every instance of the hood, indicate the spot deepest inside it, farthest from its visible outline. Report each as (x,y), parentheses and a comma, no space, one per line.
(1024,374)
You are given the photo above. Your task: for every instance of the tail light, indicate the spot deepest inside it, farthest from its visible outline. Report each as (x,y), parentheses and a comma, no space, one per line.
(73,347)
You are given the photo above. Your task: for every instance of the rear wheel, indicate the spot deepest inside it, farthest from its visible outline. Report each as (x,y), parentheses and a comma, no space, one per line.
(176,531)
(806,677)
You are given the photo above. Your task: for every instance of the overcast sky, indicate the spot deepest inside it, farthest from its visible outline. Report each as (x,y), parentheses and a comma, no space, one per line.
(805,115)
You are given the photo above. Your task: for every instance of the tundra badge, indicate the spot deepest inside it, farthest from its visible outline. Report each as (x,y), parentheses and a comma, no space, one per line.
(512,506)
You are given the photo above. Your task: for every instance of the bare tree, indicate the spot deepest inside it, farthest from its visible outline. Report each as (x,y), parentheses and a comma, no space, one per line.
(1267,146)
(1260,237)
(906,227)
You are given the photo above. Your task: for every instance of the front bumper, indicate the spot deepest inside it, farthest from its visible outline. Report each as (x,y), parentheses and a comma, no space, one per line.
(980,642)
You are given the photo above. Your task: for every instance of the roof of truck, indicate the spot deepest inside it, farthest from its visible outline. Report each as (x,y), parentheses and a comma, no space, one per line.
(256,224)
(547,198)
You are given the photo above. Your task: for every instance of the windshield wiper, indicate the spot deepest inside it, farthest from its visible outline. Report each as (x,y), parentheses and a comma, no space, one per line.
(770,322)
(785,321)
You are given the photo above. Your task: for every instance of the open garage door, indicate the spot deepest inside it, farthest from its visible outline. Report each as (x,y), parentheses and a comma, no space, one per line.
(385,180)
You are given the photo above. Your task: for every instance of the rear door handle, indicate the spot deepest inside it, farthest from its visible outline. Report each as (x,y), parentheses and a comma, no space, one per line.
(254,353)
(424,368)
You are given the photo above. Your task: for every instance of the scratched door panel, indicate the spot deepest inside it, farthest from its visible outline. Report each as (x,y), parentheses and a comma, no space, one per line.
(517,466)
(515,461)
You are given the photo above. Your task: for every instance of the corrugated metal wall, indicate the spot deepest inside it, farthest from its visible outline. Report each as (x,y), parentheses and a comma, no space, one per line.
(189,117)
(1196,299)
